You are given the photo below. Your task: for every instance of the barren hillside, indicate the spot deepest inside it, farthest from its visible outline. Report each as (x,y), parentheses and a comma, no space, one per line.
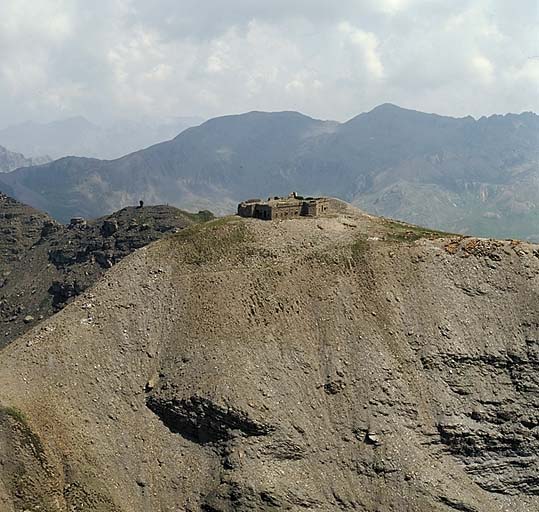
(44,264)
(343,363)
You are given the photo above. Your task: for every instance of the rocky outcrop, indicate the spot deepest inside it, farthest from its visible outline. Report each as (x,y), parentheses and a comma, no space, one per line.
(496,438)
(45,264)
(20,227)
(203,421)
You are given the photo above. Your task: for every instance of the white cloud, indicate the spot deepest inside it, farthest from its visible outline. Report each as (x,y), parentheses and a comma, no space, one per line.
(367,46)
(391,6)
(529,71)
(47,21)
(184,57)
(483,68)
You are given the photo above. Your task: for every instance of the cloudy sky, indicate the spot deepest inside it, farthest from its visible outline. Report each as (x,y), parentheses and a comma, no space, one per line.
(326,58)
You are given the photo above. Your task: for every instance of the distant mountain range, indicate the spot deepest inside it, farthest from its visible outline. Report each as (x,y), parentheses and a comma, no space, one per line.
(472,176)
(77,136)
(10,160)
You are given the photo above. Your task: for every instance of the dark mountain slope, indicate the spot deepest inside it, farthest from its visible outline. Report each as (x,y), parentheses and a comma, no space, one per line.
(460,174)
(20,228)
(390,144)
(66,188)
(334,364)
(44,265)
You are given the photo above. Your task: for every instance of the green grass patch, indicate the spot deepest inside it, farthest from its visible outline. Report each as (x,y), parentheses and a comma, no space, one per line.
(213,240)
(402,232)
(28,436)
(201,216)
(359,248)
(14,413)
(345,255)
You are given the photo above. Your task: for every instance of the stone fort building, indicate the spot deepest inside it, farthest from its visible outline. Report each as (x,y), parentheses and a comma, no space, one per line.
(284,207)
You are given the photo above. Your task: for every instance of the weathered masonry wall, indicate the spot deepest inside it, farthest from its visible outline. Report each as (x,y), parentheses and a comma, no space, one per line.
(283,208)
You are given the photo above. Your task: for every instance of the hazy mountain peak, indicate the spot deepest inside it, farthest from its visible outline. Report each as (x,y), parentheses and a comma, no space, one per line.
(10,160)
(390,107)
(80,137)
(260,115)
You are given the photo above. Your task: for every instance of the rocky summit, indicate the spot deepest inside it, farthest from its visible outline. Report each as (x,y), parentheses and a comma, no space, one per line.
(339,363)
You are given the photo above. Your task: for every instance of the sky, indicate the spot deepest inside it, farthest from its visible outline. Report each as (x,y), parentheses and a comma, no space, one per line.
(331,59)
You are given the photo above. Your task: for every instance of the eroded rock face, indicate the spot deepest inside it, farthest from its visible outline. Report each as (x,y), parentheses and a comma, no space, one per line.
(47,264)
(20,227)
(496,437)
(233,437)
(203,421)
(28,479)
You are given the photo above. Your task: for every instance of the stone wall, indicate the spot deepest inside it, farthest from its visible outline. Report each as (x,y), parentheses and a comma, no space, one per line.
(285,208)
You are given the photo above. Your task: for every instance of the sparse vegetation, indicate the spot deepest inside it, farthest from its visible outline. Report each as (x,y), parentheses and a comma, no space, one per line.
(402,232)
(29,437)
(359,248)
(14,413)
(209,241)
(343,255)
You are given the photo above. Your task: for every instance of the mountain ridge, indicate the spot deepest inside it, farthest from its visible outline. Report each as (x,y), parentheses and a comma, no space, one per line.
(44,265)
(217,164)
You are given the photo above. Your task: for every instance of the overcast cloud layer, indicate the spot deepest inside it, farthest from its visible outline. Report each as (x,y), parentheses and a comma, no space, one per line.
(330,59)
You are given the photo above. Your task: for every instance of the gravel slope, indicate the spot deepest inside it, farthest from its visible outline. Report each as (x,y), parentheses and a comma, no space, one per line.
(346,363)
